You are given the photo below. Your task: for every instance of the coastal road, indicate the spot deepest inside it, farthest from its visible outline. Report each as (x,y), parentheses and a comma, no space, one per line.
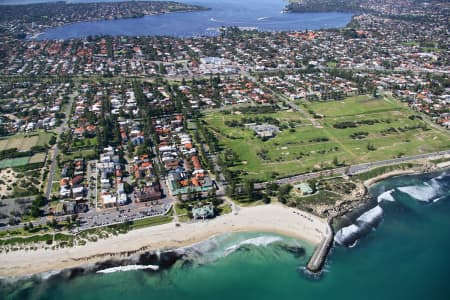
(354,169)
(136,211)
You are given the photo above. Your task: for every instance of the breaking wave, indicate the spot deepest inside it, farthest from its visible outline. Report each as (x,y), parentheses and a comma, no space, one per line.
(430,191)
(386,196)
(371,216)
(258,241)
(345,233)
(223,245)
(128,268)
(348,236)
(425,192)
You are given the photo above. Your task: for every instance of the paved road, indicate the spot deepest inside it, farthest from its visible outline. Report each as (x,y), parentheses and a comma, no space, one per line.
(94,218)
(55,149)
(355,169)
(295,107)
(51,173)
(133,211)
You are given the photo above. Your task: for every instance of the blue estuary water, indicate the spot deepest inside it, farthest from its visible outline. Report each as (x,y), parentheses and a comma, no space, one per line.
(264,15)
(405,257)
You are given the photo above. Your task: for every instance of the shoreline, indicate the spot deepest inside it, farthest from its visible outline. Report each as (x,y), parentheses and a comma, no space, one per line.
(365,204)
(32,36)
(369,182)
(273,218)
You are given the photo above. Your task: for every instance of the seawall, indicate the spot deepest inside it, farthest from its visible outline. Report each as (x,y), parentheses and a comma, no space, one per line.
(320,254)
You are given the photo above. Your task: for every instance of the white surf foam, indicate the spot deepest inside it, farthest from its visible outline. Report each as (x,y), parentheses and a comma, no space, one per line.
(257,241)
(425,192)
(346,233)
(437,199)
(371,215)
(128,268)
(386,196)
(47,275)
(442,176)
(354,244)
(365,222)
(262,18)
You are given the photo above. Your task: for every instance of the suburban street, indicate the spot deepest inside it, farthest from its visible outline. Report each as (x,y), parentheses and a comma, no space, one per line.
(55,151)
(96,217)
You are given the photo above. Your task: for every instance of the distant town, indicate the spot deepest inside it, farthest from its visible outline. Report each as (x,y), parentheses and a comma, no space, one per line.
(137,131)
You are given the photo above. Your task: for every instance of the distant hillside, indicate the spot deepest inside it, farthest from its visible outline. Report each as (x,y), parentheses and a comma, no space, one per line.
(368,6)
(72,12)
(323,6)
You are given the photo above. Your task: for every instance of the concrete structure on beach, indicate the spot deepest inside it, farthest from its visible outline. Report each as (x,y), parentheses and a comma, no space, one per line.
(320,254)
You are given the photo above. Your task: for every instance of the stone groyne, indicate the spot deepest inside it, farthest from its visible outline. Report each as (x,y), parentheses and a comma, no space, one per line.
(320,254)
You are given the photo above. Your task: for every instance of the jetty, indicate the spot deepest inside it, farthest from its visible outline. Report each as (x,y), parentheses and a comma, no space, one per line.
(320,254)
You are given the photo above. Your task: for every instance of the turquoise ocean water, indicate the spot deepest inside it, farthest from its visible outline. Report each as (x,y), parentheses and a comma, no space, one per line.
(405,257)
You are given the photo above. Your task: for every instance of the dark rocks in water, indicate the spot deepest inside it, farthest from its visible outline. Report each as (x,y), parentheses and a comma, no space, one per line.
(187,263)
(245,248)
(107,264)
(168,259)
(297,251)
(75,272)
(69,274)
(350,217)
(164,260)
(148,258)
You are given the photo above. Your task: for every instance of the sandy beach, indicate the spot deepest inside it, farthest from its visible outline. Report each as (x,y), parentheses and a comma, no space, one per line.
(268,218)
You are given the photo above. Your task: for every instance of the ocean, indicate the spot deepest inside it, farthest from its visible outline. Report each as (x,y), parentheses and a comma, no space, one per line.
(263,15)
(405,257)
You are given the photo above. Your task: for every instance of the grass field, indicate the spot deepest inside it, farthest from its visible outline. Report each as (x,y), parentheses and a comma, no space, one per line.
(88,142)
(355,106)
(310,148)
(37,158)
(24,142)
(59,237)
(87,153)
(152,221)
(13,162)
(21,161)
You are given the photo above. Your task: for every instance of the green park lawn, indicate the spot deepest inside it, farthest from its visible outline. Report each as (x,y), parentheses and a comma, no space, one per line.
(14,162)
(86,153)
(298,152)
(24,142)
(355,106)
(87,142)
(152,221)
